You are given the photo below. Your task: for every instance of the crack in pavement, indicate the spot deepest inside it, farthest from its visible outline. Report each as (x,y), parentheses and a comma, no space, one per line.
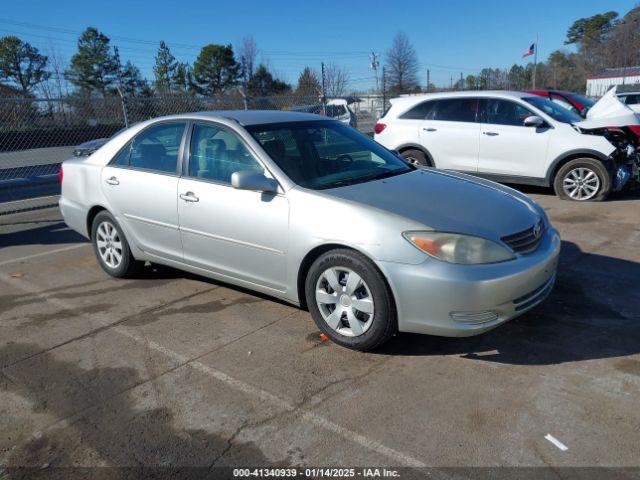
(243,387)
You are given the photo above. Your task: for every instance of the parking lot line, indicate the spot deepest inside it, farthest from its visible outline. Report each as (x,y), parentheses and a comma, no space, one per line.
(556,442)
(42,254)
(250,390)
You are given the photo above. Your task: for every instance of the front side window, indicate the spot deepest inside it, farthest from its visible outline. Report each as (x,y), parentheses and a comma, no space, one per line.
(564,103)
(216,153)
(505,112)
(326,154)
(456,110)
(553,110)
(157,148)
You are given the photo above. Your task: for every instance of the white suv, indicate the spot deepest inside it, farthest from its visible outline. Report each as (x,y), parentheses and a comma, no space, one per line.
(511,137)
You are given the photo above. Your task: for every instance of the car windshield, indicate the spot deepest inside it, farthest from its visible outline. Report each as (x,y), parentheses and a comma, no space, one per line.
(587,102)
(326,154)
(554,110)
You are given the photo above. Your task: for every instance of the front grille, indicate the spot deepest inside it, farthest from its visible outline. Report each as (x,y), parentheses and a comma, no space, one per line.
(526,240)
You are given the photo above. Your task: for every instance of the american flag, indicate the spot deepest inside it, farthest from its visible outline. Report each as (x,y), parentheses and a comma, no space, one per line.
(530,51)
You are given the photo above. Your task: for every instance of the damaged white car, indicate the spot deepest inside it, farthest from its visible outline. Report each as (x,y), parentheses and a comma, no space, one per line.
(518,138)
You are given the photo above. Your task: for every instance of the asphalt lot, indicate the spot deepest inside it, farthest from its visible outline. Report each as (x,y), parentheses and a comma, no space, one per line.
(172,370)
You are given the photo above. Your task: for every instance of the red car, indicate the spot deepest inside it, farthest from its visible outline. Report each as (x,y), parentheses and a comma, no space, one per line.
(569,100)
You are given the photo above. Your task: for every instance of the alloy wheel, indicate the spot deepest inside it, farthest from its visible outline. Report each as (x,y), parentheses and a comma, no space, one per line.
(345,301)
(581,183)
(109,244)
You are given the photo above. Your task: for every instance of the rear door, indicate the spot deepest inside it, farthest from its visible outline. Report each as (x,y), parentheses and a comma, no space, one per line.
(507,147)
(141,185)
(450,132)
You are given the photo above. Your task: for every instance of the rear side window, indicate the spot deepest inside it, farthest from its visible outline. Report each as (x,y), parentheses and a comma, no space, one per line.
(157,148)
(419,112)
(122,158)
(456,109)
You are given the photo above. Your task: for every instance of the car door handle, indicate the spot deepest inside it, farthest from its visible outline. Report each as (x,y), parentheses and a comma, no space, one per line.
(429,129)
(491,134)
(112,181)
(189,197)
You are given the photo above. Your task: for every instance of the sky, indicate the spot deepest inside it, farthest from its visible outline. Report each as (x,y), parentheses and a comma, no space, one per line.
(450,37)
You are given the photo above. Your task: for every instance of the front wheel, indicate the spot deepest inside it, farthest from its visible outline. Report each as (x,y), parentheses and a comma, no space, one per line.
(583,180)
(350,301)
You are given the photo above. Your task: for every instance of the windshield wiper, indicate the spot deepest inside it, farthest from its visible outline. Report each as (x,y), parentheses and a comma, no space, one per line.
(366,178)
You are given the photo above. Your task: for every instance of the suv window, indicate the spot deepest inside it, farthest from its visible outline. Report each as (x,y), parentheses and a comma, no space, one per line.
(419,112)
(455,110)
(505,112)
(157,148)
(216,153)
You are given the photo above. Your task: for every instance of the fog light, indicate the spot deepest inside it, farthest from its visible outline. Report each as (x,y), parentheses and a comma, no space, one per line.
(474,317)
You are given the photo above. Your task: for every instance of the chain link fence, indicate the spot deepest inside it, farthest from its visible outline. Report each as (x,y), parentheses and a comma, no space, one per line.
(37,135)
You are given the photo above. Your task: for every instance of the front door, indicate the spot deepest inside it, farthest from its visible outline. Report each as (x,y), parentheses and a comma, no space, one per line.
(235,233)
(507,147)
(141,185)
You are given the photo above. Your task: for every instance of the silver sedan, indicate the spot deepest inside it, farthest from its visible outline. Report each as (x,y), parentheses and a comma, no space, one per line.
(306,209)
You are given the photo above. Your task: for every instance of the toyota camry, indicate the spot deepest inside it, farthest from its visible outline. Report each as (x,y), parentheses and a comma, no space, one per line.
(306,209)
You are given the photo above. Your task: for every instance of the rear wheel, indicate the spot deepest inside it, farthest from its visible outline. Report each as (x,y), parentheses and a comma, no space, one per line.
(111,247)
(416,157)
(350,301)
(583,180)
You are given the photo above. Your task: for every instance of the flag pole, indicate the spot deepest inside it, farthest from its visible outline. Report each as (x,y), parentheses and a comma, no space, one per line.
(535,61)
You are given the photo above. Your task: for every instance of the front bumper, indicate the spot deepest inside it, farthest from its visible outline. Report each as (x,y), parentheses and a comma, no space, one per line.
(440,298)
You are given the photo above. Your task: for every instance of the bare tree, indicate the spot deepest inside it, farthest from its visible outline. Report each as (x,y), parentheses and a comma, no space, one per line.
(402,64)
(248,52)
(336,80)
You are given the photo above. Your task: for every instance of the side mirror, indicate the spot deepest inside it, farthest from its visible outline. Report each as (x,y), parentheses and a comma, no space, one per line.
(533,121)
(256,181)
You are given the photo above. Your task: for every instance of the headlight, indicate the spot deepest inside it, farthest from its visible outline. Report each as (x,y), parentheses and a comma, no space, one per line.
(455,248)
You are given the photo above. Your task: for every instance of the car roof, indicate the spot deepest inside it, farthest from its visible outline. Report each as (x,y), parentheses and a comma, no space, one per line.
(251,117)
(409,99)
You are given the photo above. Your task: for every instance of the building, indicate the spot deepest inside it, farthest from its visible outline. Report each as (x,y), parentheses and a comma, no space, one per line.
(598,85)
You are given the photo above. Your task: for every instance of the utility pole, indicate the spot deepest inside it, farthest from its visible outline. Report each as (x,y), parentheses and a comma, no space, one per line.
(451,87)
(324,96)
(461,82)
(384,91)
(535,62)
(374,66)
(245,82)
(428,80)
(123,98)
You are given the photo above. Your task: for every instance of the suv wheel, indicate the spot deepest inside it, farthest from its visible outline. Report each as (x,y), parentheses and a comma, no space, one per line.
(350,301)
(416,157)
(583,180)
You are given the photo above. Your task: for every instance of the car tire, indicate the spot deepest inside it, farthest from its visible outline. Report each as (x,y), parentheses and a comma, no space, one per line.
(583,180)
(335,310)
(111,247)
(416,157)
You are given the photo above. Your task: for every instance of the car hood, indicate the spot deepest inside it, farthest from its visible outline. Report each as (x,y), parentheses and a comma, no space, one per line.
(447,201)
(609,111)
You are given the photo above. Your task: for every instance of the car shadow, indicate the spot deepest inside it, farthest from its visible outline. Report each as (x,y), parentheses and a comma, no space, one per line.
(592,313)
(54,233)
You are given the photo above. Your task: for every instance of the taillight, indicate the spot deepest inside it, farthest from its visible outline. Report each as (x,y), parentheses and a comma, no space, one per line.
(379,127)
(60,175)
